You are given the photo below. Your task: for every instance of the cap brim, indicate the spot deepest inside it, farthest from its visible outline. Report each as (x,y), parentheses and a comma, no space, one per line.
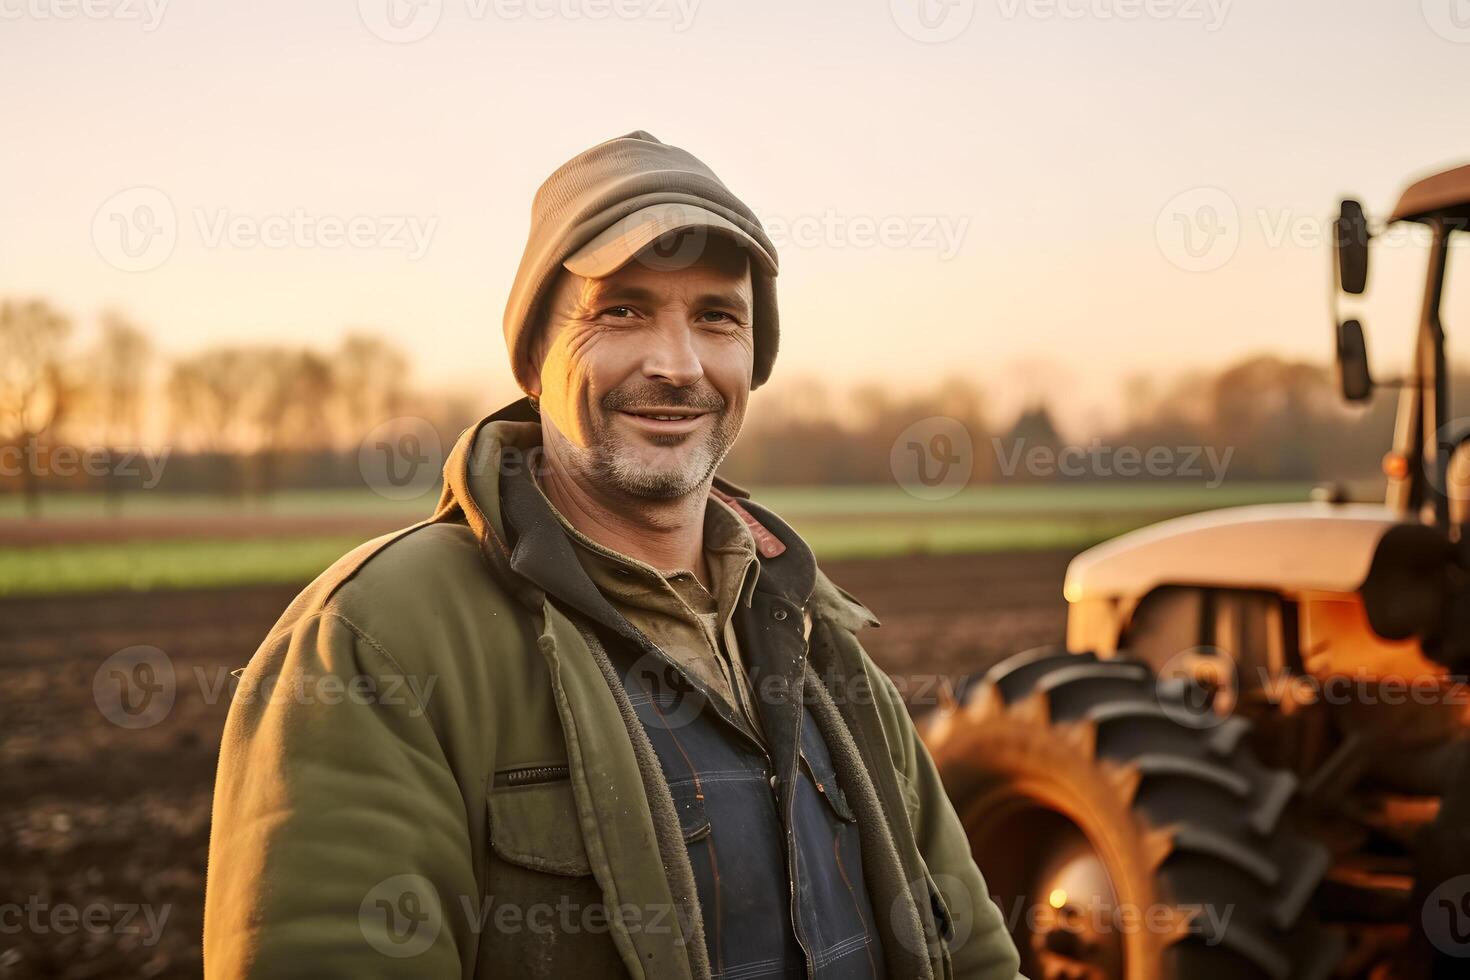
(619,244)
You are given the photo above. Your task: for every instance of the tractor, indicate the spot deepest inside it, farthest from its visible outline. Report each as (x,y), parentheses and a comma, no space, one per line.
(1249,759)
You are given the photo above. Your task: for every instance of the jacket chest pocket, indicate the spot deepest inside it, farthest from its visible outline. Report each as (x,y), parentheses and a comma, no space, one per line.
(533,821)
(542,913)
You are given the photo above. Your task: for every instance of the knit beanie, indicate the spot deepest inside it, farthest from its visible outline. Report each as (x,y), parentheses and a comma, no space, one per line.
(602,207)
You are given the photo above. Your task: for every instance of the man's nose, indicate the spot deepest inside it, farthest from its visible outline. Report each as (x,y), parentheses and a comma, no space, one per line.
(671,356)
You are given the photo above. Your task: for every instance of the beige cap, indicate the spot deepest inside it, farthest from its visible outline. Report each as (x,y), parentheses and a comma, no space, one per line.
(606,205)
(621,242)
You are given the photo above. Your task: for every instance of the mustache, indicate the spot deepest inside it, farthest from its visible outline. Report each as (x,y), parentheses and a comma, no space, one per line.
(700,398)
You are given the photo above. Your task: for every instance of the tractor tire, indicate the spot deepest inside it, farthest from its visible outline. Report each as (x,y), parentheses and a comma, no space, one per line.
(1126,832)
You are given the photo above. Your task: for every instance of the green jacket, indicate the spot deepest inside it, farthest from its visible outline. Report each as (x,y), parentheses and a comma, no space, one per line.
(425,774)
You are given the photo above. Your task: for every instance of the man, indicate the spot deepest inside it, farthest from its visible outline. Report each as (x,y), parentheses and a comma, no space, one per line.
(600,715)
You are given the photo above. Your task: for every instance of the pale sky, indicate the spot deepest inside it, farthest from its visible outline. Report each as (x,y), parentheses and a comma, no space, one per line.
(1026,178)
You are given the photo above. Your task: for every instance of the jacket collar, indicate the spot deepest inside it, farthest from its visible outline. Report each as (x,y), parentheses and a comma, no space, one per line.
(488,479)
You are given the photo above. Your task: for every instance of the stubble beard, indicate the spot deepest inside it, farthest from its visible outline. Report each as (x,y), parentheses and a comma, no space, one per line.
(621,470)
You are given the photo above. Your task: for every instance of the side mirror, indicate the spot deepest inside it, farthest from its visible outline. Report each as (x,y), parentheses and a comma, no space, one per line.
(1350,239)
(1353,375)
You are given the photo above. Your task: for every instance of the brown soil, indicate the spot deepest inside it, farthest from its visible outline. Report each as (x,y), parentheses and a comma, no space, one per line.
(95,815)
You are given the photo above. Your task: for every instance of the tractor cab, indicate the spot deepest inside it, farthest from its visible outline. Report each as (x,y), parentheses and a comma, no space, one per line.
(1358,588)
(1259,710)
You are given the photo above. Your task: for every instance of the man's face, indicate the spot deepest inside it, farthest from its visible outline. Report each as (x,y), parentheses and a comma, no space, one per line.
(645,375)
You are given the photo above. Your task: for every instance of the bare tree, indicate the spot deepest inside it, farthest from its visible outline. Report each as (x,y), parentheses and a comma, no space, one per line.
(290,409)
(33,387)
(117,384)
(372,382)
(253,404)
(208,394)
(119,378)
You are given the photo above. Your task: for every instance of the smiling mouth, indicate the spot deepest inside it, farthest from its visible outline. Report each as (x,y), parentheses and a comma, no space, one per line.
(662,423)
(663,415)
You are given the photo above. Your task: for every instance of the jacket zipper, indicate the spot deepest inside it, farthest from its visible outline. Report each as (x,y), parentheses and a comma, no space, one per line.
(531,775)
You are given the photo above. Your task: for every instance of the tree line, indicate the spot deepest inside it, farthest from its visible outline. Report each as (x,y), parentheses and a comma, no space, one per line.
(249,419)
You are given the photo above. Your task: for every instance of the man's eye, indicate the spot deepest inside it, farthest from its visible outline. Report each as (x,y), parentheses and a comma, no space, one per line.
(716,316)
(618,312)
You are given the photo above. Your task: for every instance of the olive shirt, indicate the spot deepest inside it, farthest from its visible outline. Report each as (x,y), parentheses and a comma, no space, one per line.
(676,612)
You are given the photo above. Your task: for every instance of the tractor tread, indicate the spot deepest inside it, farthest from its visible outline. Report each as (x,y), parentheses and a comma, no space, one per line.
(1211,817)
(1299,885)
(1222,847)
(1161,765)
